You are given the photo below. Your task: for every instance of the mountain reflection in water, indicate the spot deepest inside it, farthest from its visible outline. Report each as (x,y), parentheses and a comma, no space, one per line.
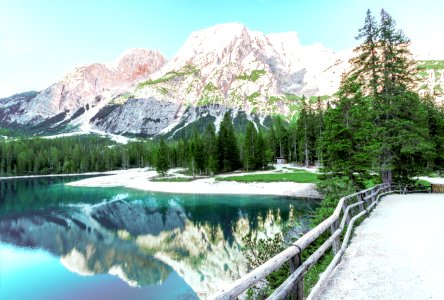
(142,237)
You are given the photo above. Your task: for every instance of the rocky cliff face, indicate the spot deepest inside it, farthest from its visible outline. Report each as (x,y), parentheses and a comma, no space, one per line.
(233,66)
(222,68)
(431,78)
(80,90)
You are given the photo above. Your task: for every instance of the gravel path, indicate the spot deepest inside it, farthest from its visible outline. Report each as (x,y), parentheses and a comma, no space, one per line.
(396,253)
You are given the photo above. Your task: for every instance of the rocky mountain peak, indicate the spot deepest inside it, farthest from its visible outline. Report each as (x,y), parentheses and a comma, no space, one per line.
(137,63)
(232,65)
(82,85)
(132,65)
(213,44)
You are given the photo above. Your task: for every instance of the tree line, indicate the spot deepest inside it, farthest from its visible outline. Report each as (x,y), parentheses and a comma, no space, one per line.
(209,152)
(30,156)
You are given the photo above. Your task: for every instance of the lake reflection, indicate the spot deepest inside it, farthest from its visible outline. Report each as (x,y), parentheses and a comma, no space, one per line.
(148,242)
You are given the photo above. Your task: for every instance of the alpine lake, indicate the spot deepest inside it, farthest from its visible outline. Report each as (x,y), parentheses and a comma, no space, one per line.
(63,242)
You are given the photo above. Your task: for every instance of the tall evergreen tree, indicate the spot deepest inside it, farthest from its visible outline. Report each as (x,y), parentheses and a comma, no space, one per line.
(250,151)
(396,60)
(366,63)
(304,133)
(211,149)
(281,136)
(272,143)
(162,162)
(261,147)
(293,141)
(346,139)
(197,153)
(390,113)
(319,128)
(381,77)
(227,149)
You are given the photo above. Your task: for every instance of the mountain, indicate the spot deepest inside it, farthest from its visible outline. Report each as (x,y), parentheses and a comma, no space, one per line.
(223,68)
(231,65)
(83,91)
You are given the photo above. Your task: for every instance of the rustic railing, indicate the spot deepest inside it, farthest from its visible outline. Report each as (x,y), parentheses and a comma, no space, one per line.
(351,208)
(437,188)
(409,189)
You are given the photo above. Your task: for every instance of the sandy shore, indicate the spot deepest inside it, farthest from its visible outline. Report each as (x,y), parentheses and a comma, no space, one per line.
(140,179)
(434,180)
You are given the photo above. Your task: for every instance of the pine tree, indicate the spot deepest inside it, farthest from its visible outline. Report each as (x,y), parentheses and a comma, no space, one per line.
(227,149)
(293,141)
(162,162)
(261,160)
(397,76)
(272,144)
(381,76)
(281,136)
(303,126)
(250,144)
(396,60)
(197,153)
(346,138)
(366,63)
(211,149)
(319,128)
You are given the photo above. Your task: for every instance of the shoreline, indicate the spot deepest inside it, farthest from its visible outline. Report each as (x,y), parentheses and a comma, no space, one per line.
(140,179)
(105,173)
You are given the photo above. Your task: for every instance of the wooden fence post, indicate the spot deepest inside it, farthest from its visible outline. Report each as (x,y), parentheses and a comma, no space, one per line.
(361,206)
(437,188)
(344,208)
(337,241)
(368,194)
(298,290)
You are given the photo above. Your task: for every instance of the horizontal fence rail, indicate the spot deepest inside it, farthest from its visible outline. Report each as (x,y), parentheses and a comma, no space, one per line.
(437,188)
(349,209)
(408,189)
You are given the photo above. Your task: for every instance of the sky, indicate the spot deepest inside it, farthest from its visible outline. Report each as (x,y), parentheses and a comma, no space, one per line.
(41,40)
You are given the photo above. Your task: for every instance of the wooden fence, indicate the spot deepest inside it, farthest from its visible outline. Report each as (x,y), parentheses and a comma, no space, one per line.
(350,208)
(409,189)
(437,188)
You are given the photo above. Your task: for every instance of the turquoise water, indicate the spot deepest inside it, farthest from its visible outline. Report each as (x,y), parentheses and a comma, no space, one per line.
(62,242)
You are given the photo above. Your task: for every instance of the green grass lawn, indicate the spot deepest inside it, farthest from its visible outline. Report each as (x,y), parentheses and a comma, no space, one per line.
(297,176)
(173,179)
(423,182)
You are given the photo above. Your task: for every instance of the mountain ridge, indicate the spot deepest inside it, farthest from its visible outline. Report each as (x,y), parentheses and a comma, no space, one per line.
(226,67)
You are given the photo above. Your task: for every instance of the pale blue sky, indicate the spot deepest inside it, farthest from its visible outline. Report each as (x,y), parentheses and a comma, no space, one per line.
(41,40)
